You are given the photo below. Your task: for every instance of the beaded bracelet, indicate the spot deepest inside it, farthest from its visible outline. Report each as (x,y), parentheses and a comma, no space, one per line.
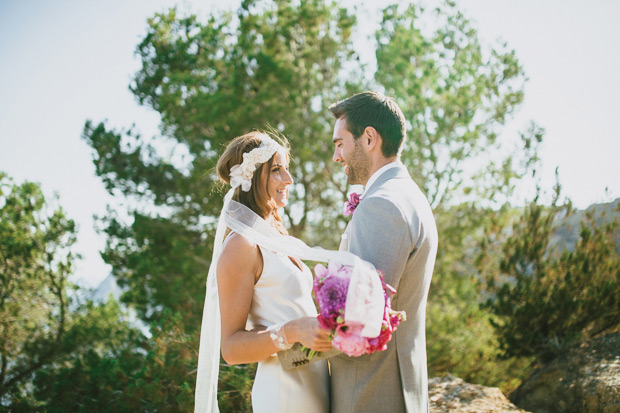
(276,333)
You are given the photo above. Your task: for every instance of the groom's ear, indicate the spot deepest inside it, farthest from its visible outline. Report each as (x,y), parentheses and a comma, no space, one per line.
(373,139)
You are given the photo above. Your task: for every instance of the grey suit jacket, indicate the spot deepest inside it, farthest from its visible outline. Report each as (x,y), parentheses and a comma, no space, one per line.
(394,229)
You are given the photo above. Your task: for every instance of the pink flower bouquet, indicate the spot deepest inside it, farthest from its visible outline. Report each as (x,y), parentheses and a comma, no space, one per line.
(330,290)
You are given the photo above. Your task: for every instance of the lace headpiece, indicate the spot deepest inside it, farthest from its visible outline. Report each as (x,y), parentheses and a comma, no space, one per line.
(242,174)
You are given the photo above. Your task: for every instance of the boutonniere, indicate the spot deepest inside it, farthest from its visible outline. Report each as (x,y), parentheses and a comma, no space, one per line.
(352,203)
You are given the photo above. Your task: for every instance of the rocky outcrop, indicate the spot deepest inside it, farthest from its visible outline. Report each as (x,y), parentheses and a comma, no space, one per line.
(451,394)
(586,379)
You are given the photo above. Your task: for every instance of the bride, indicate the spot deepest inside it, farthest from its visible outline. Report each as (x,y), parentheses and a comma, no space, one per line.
(265,303)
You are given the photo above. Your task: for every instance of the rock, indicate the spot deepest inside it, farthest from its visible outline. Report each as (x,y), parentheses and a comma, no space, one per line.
(585,379)
(451,394)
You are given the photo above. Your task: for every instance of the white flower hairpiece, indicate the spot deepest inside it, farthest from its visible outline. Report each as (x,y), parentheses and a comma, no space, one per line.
(242,174)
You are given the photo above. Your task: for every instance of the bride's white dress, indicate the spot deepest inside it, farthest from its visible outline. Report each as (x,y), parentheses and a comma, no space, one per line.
(283,293)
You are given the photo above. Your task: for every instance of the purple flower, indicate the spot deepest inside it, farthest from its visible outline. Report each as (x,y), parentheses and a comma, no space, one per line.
(352,203)
(330,290)
(333,295)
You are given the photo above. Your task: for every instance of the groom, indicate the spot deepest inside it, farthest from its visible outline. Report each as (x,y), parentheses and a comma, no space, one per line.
(394,229)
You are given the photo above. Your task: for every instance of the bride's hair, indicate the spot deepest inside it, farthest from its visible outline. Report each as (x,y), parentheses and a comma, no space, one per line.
(257,198)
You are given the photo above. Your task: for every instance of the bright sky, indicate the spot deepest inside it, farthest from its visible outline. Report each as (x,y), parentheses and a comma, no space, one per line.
(67,61)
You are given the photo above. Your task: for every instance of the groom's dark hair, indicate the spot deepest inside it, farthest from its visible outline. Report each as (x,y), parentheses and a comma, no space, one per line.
(373,109)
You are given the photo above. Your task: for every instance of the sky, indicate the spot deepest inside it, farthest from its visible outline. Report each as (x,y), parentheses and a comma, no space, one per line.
(67,61)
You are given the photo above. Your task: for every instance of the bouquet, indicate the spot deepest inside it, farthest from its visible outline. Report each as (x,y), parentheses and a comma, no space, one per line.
(330,291)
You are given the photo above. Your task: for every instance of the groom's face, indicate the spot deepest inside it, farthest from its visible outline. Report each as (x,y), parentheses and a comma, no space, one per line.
(351,153)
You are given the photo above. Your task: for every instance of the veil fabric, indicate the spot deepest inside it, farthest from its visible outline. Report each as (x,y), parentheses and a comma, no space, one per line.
(364,304)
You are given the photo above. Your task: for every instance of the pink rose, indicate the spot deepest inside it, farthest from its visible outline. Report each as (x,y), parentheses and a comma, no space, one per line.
(380,343)
(348,340)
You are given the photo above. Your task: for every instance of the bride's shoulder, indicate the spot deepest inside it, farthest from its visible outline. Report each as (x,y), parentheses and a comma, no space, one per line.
(236,243)
(239,252)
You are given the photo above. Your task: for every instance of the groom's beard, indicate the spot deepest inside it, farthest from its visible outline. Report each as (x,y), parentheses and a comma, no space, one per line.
(358,165)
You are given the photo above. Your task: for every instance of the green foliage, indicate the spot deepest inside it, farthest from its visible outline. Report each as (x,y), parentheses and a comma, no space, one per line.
(544,300)
(123,371)
(51,339)
(454,94)
(460,338)
(273,63)
(98,372)
(35,260)
(235,387)
(211,82)
(167,380)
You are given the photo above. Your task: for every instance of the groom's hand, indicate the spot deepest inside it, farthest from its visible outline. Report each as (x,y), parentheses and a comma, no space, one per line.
(309,333)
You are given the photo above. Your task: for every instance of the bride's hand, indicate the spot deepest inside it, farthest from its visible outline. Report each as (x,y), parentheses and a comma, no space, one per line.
(309,333)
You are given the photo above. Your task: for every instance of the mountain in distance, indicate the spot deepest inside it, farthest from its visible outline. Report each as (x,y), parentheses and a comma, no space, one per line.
(567,229)
(108,287)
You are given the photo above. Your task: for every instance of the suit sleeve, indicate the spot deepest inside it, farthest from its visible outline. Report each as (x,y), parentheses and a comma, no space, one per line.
(381,235)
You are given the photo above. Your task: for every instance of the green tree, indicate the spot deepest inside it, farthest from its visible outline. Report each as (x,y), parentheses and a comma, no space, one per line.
(455,97)
(102,362)
(45,321)
(545,300)
(457,94)
(273,63)
(36,259)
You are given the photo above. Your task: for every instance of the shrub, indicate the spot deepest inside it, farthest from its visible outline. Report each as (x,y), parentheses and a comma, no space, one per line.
(545,300)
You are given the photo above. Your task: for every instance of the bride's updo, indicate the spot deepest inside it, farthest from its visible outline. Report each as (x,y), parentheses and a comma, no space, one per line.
(257,198)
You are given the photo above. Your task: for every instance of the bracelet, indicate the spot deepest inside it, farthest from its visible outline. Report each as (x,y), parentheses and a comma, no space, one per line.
(277,335)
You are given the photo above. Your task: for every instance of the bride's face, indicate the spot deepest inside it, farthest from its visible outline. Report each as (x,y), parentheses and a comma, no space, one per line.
(279,180)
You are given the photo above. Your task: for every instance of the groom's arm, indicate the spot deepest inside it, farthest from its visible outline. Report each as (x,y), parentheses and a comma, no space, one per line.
(381,235)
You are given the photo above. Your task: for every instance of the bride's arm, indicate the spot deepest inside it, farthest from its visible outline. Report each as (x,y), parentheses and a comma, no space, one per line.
(239,267)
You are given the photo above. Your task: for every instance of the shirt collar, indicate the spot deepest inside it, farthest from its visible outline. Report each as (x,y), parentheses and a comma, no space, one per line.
(378,173)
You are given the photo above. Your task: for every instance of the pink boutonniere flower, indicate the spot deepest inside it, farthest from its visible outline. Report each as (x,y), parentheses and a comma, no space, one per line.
(352,203)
